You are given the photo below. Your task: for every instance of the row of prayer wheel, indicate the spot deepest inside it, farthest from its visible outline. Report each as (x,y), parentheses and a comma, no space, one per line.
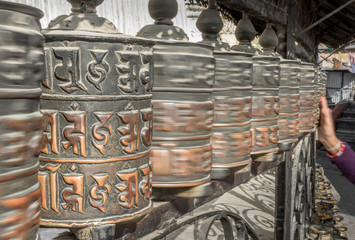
(123,114)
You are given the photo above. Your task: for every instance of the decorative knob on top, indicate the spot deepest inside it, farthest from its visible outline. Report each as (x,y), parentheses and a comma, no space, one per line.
(268,39)
(210,22)
(245,32)
(162,11)
(84,6)
(82,18)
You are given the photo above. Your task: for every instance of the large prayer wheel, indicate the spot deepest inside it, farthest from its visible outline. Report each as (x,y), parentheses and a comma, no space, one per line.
(307,93)
(231,134)
(289,103)
(21,71)
(182,101)
(97,109)
(265,108)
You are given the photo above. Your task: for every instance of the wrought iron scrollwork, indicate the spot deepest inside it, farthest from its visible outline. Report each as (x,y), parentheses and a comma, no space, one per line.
(233,226)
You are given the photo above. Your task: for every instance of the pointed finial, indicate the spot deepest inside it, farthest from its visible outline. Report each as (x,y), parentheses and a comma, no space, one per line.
(84,6)
(245,32)
(162,11)
(210,22)
(268,39)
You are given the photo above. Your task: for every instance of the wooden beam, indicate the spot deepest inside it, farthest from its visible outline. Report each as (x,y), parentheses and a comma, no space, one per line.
(326,17)
(262,9)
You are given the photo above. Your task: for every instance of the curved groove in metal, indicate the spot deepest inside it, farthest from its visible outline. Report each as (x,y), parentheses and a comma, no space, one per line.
(242,228)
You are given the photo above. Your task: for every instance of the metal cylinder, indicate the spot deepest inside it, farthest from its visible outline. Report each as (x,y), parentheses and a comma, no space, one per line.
(289,103)
(316,96)
(183,108)
(21,71)
(96,103)
(306,117)
(265,99)
(231,134)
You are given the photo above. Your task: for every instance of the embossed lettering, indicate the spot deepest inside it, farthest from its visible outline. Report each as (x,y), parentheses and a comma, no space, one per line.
(52,183)
(50,133)
(147,68)
(73,196)
(99,194)
(147,130)
(67,70)
(130,132)
(75,134)
(146,184)
(101,131)
(241,109)
(183,116)
(48,80)
(128,187)
(98,68)
(241,144)
(129,71)
(261,137)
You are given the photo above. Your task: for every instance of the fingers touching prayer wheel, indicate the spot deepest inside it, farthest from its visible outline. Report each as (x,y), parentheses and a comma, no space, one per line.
(97,109)
(21,71)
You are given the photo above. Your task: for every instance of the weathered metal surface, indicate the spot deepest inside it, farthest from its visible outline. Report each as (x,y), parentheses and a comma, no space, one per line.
(316,96)
(183,109)
(21,70)
(231,134)
(96,103)
(265,106)
(289,103)
(307,82)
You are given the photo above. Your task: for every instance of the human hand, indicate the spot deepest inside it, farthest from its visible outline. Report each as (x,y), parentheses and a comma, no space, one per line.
(326,130)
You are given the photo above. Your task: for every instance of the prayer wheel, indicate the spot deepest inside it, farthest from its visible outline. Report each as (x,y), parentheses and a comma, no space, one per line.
(97,110)
(21,71)
(183,108)
(289,103)
(316,96)
(231,135)
(265,97)
(306,116)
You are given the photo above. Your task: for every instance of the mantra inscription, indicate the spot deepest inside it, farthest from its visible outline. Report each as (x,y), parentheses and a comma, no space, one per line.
(186,152)
(98,123)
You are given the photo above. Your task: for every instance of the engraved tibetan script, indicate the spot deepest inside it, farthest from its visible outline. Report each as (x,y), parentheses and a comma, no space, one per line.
(99,193)
(98,68)
(146,185)
(52,183)
(128,187)
(73,195)
(134,67)
(75,134)
(129,71)
(101,131)
(50,133)
(130,131)
(147,130)
(67,69)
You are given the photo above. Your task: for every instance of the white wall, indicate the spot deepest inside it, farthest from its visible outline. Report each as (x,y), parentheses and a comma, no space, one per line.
(127,15)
